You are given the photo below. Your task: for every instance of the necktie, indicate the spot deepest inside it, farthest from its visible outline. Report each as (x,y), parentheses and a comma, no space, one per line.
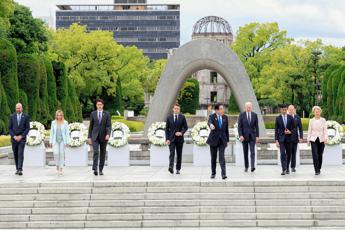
(175,118)
(284,116)
(248,117)
(220,121)
(18,119)
(99,117)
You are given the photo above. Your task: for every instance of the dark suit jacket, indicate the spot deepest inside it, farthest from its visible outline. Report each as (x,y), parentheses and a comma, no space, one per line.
(248,130)
(22,129)
(220,135)
(298,128)
(99,130)
(280,128)
(172,127)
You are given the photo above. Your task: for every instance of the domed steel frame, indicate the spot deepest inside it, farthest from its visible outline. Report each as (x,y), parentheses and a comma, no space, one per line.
(212,25)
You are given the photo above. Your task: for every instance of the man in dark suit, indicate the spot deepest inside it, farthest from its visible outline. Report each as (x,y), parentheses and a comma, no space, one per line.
(176,126)
(218,139)
(284,128)
(99,133)
(19,126)
(248,131)
(297,137)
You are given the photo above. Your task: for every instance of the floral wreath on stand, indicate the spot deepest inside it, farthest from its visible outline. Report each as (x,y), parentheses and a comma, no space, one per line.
(335,133)
(36,134)
(77,134)
(237,137)
(119,135)
(200,133)
(156,133)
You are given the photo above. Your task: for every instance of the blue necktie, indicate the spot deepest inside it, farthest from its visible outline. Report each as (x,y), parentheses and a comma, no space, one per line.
(284,120)
(18,119)
(220,121)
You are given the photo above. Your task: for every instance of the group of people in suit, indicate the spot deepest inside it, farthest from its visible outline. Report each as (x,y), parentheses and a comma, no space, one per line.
(288,133)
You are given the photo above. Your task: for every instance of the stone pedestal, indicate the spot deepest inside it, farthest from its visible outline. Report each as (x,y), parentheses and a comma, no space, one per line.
(35,156)
(298,157)
(201,155)
(76,156)
(332,155)
(159,155)
(239,156)
(118,156)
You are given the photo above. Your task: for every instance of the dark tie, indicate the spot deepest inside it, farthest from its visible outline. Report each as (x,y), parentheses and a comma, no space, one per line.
(99,117)
(248,117)
(18,119)
(175,118)
(284,120)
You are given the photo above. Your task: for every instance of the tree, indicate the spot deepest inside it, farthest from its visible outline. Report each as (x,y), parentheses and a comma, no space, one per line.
(8,72)
(43,115)
(51,87)
(6,10)
(27,33)
(188,97)
(5,110)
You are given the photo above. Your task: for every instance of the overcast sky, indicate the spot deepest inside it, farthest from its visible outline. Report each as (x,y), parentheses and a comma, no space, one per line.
(303,19)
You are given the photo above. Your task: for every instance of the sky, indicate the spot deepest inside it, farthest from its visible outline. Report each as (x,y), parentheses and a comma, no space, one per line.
(302,19)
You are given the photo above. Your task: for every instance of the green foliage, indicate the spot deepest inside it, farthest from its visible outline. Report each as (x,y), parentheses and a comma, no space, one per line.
(305,123)
(5,110)
(8,72)
(6,10)
(134,126)
(51,87)
(61,84)
(27,33)
(233,107)
(29,77)
(23,98)
(5,141)
(189,96)
(43,115)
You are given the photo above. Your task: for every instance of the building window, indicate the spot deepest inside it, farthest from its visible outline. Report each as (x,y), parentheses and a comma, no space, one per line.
(213,97)
(213,76)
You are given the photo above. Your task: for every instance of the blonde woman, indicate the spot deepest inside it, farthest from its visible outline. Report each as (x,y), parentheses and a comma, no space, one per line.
(317,137)
(59,139)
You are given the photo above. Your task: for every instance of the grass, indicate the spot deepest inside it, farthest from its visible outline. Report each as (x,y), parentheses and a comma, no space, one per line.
(134,126)
(305,123)
(5,141)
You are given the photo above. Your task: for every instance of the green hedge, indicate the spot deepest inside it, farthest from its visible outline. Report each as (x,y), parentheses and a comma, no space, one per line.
(305,123)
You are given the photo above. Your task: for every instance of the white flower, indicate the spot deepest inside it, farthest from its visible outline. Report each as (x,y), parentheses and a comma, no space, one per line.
(156,133)
(81,130)
(236,131)
(119,135)
(200,133)
(336,129)
(36,134)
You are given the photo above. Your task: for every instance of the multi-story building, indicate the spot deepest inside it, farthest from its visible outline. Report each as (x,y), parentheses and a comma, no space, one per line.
(153,28)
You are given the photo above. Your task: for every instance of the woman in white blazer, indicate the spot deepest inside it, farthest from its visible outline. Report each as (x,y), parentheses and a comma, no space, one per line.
(317,137)
(59,139)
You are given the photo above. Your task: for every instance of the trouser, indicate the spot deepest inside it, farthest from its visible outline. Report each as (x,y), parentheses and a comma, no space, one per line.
(317,148)
(18,152)
(251,144)
(99,150)
(285,154)
(214,150)
(59,154)
(292,159)
(175,146)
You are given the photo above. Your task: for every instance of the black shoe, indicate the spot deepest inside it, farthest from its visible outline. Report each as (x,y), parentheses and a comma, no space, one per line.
(20,173)
(101,173)
(224,177)
(17,172)
(213,176)
(95,172)
(287,172)
(283,173)
(171,170)
(317,173)
(253,169)
(293,170)
(177,171)
(246,170)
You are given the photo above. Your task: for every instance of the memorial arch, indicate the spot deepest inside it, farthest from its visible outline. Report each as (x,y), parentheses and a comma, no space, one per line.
(197,55)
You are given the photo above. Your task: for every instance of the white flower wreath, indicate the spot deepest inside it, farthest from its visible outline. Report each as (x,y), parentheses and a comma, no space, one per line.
(237,137)
(156,133)
(119,135)
(36,134)
(200,133)
(334,133)
(77,134)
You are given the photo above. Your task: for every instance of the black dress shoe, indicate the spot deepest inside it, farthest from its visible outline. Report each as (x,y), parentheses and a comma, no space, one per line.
(317,173)
(283,173)
(95,172)
(101,173)
(293,170)
(287,172)
(213,176)
(171,170)
(224,177)
(17,172)
(246,170)
(20,173)
(177,171)
(253,169)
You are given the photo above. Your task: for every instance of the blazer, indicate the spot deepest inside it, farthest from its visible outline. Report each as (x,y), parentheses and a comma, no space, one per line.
(299,129)
(97,129)
(317,129)
(172,127)
(280,128)
(247,129)
(64,131)
(220,135)
(21,129)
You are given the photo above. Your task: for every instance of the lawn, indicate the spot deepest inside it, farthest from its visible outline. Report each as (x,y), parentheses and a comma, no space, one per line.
(5,141)
(134,126)
(305,123)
